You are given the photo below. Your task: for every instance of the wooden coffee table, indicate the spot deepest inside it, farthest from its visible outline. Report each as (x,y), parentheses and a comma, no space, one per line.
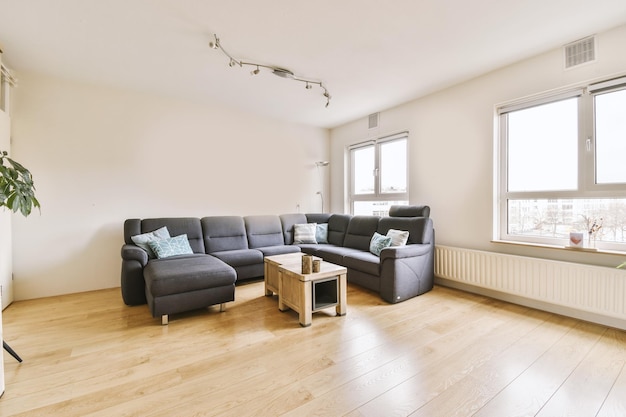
(271,264)
(308,293)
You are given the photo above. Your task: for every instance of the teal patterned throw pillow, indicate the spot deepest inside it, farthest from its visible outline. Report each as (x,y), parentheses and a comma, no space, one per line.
(321,233)
(178,245)
(378,243)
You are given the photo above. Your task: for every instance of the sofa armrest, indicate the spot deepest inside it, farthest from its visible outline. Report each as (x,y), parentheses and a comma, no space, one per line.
(407,251)
(134,259)
(406,271)
(134,253)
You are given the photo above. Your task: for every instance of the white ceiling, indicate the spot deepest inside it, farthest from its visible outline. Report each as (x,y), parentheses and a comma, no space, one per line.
(371,55)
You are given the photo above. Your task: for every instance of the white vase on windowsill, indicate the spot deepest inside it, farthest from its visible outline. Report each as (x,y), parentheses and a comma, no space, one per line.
(591,242)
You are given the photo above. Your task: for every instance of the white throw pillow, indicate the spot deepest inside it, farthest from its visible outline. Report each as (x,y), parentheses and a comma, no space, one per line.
(304,233)
(398,237)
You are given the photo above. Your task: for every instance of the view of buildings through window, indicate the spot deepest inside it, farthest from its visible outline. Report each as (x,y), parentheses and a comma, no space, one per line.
(557,218)
(562,167)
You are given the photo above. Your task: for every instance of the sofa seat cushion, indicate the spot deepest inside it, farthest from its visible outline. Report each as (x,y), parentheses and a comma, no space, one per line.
(186,273)
(311,248)
(278,250)
(335,254)
(363,261)
(240,257)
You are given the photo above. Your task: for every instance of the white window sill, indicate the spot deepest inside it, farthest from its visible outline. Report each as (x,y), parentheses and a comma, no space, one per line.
(557,247)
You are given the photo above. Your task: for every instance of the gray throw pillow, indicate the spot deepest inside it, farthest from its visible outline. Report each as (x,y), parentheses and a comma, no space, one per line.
(143,239)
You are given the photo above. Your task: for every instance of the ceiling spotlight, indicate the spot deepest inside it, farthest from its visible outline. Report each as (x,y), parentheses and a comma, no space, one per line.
(327,95)
(278,71)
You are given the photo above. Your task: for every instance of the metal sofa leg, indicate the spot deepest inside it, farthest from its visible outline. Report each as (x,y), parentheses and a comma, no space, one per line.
(222,307)
(164,319)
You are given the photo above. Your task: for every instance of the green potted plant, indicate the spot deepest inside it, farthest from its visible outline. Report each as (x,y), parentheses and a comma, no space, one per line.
(17,189)
(17,193)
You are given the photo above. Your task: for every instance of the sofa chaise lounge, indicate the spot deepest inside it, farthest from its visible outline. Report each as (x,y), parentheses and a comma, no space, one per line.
(224,249)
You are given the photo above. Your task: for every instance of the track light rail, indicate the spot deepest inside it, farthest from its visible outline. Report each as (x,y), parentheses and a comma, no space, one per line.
(278,71)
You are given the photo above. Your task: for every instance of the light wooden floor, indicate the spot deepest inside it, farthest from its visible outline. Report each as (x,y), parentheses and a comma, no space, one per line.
(446,353)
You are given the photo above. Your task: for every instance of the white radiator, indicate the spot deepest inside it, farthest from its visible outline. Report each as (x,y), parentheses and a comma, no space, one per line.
(592,293)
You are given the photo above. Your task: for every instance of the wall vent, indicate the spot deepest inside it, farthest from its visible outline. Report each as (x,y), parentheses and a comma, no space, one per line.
(580,52)
(372,121)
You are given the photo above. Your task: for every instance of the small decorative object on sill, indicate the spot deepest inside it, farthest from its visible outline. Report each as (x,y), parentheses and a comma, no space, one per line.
(593,232)
(576,240)
(316,265)
(307,264)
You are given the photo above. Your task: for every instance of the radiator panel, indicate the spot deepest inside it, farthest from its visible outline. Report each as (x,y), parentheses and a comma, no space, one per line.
(593,289)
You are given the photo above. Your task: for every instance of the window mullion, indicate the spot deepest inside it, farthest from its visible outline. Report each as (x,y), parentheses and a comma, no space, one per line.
(586,159)
(376,172)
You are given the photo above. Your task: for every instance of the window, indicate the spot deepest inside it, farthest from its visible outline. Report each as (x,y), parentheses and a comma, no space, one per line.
(561,166)
(379,175)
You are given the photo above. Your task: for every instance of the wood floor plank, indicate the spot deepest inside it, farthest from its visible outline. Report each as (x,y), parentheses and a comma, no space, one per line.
(331,399)
(428,386)
(615,402)
(446,352)
(528,393)
(485,381)
(584,391)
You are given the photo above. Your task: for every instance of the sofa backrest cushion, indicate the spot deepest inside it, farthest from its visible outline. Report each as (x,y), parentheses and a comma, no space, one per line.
(317,218)
(420,228)
(178,226)
(222,233)
(287,221)
(264,231)
(337,228)
(132,227)
(409,211)
(360,232)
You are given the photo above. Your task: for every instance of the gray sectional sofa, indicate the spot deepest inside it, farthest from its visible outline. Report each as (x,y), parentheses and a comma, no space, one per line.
(225,249)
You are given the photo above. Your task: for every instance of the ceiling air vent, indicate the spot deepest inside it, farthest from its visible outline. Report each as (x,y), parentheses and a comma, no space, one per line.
(580,52)
(372,121)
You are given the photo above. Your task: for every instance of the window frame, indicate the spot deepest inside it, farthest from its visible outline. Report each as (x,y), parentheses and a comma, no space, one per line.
(377,195)
(587,187)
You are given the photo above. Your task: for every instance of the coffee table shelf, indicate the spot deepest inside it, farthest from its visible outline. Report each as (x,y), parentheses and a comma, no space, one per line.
(325,293)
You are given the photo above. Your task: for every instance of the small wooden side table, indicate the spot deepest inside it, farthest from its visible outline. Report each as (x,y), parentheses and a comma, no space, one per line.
(307,293)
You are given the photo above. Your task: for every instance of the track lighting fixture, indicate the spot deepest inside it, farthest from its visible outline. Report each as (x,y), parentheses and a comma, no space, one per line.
(278,71)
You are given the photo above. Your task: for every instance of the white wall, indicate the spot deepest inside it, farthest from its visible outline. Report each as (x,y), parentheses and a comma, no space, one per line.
(5,237)
(451,145)
(101,155)
(5,223)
